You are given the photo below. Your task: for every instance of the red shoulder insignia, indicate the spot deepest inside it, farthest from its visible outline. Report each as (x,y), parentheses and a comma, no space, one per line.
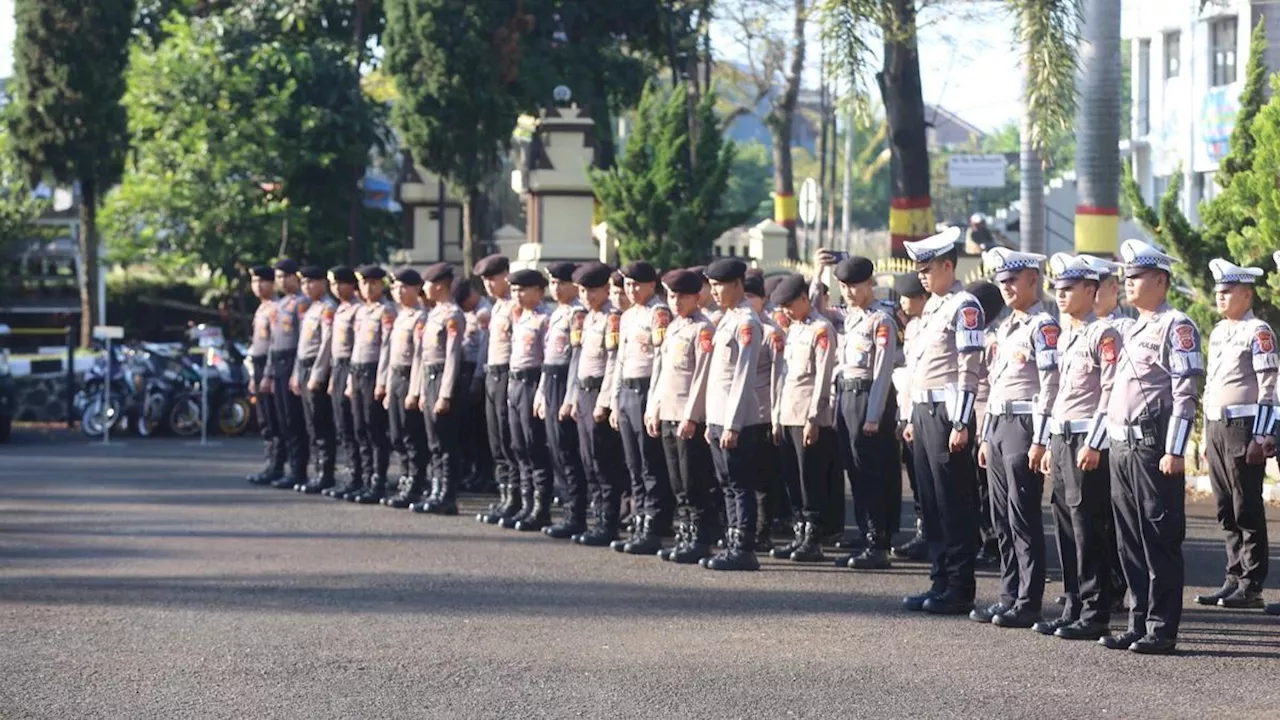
(704,339)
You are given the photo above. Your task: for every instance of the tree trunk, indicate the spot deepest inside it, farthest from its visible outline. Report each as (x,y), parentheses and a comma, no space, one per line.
(88,259)
(784,185)
(846,191)
(468,242)
(910,207)
(360,37)
(1031,220)
(781,121)
(1097,222)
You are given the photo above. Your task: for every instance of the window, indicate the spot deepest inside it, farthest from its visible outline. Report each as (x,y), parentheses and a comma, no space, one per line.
(1144,87)
(1158,185)
(1172,54)
(1222,49)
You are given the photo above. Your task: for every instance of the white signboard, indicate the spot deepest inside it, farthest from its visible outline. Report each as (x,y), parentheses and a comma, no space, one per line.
(209,336)
(976,171)
(108,332)
(810,201)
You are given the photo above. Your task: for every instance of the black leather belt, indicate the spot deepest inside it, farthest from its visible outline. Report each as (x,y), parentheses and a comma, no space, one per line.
(854,385)
(526,375)
(435,369)
(591,384)
(498,369)
(635,383)
(307,362)
(556,371)
(341,362)
(282,355)
(364,368)
(402,371)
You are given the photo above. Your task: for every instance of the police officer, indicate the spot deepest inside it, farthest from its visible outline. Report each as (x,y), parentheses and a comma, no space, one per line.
(675,415)
(1108,304)
(706,303)
(343,281)
(617,291)
(1024,383)
(1078,457)
(804,418)
(866,408)
(310,379)
(441,386)
(405,422)
(285,323)
(493,271)
(1239,407)
(992,302)
(550,404)
(264,287)
(477,466)
(1149,417)
(768,463)
(945,355)
(644,325)
(595,369)
(367,386)
(529,433)
(912,298)
(736,425)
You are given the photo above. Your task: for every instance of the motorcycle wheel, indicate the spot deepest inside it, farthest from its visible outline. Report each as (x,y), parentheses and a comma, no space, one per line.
(184,417)
(152,420)
(233,416)
(94,419)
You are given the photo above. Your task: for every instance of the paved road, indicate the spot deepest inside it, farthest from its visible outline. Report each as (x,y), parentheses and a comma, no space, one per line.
(150,581)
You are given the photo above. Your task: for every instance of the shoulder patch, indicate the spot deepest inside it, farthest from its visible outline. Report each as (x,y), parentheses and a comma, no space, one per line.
(1184,337)
(1264,340)
(1107,350)
(615,331)
(705,336)
(327,316)
(744,334)
(1049,333)
(822,338)
(452,327)
(661,317)
(882,335)
(779,341)
(970,317)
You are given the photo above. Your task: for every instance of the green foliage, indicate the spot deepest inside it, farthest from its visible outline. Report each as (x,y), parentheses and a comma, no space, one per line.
(247,142)
(19,209)
(661,207)
(750,182)
(1254,245)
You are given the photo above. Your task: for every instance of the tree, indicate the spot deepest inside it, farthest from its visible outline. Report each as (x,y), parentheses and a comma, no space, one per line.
(749,183)
(664,205)
(19,208)
(911,209)
(1097,221)
(69,62)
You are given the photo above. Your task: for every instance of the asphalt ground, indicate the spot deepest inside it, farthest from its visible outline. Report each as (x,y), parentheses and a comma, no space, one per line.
(148,580)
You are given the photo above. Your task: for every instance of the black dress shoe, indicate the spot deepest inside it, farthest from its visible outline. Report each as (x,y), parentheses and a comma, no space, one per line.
(1082,630)
(948,605)
(399,502)
(1243,599)
(1151,645)
(1017,618)
(564,530)
(598,536)
(989,613)
(368,498)
(1228,588)
(285,483)
(316,487)
(1121,641)
(915,603)
(1050,627)
(870,560)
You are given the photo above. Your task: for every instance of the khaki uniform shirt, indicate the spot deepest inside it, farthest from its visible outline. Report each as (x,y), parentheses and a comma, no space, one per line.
(528,337)
(683,357)
(261,342)
(500,329)
(1158,369)
(642,333)
(1024,367)
(373,324)
(400,347)
(727,389)
(344,329)
(1088,352)
(902,375)
(946,353)
(1242,369)
(285,322)
(768,384)
(316,341)
(868,350)
(808,367)
(440,349)
(594,335)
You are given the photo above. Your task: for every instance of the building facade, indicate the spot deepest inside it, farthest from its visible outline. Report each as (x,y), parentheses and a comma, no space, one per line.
(1188,72)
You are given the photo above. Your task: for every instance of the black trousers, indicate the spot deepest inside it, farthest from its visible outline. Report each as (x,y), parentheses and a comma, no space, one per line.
(770,489)
(289,411)
(477,460)
(871,463)
(807,471)
(529,437)
(740,476)
(692,475)
(1086,539)
(1151,523)
(909,463)
(269,425)
(1016,494)
(498,421)
(369,418)
(444,439)
(1237,486)
(646,462)
(604,479)
(948,499)
(408,431)
(344,419)
(317,410)
(562,436)
(988,537)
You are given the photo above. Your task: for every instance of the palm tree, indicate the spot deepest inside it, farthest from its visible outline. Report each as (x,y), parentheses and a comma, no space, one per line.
(1098,130)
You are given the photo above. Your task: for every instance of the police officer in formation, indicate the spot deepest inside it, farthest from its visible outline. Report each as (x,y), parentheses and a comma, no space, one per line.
(736,399)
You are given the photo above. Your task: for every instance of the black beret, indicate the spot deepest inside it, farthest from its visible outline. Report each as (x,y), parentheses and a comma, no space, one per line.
(492,265)
(341,274)
(371,272)
(754,285)
(726,270)
(683,282)
(908,285)
(287,266)
(439,272)
(461,291)
(791,287)
(312,272)
(853,270)
(771,284)
(640,271)
(528,278)
(562,271)
(408,276)
(592,274)
(617,279)
(262,272)
(989,297)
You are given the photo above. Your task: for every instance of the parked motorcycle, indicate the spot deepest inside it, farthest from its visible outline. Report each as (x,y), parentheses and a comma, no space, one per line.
(228,395)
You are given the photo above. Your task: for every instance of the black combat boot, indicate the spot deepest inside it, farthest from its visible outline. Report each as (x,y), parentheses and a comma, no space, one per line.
(573,523)
(784,552)
(445,501)
(602,533)
(522,510)
(493,513)
(683,537)
(374,493)
(810,548)
(698,540)
(738,556)
(403,497)
(424,504)
(539,515)
(916,549)
(632,528)
(647,541)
